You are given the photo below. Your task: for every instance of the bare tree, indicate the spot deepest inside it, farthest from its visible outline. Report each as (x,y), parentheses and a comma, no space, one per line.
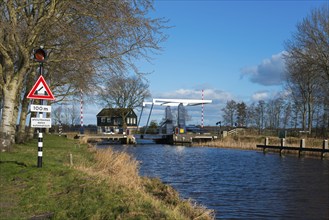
(241,113)
(308,63)
(57,115)
(260,110)
(125,93)
(274,112)
(229,112)
(303,82)
(79,36)
(287,108)
(251,115)
(74,115)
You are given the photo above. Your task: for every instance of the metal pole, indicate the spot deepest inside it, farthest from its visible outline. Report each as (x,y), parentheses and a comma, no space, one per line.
(140,116)
(40,135)
(147,123)
(202,111)
(40,145)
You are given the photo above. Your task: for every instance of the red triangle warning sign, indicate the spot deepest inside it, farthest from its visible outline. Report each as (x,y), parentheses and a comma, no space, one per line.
(40,90)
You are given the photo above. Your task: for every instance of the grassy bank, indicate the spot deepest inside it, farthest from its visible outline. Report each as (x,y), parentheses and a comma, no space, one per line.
(77,182)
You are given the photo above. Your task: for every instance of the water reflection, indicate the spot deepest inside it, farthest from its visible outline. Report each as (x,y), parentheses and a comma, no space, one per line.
(241,184)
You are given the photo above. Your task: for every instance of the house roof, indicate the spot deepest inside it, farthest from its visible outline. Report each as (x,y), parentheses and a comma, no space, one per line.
(114,112)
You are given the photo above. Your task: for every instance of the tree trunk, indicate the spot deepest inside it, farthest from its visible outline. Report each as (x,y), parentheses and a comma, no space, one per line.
(310,117)
(15,114)
(21,133)
(31,130)
(124,124)
(8,126)
(304,118)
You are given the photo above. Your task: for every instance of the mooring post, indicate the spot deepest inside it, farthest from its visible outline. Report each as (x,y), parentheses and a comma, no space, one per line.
(325,144)
(324,147)
(302,145)
(266,143)
(283,142)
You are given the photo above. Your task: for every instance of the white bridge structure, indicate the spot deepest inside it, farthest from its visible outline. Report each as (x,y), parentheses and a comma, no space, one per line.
(176,102)
(168,121)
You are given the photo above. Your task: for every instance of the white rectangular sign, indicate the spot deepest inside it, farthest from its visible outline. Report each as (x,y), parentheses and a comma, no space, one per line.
(40,108)
(41,122)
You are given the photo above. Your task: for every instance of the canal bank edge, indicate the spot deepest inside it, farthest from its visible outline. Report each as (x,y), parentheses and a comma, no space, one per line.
(292,145)
(63,188)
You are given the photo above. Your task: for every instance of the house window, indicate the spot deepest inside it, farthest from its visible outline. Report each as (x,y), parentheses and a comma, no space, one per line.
(128,121)
(108,120)
(103,119)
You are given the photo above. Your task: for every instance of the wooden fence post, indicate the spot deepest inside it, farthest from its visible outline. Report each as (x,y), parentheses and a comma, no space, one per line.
(302,145)
(283,142)
(324,147)
(266,141)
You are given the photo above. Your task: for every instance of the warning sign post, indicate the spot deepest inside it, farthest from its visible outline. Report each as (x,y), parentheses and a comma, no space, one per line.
(40,90)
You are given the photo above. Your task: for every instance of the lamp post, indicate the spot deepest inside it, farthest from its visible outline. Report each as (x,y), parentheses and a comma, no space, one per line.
(220,125)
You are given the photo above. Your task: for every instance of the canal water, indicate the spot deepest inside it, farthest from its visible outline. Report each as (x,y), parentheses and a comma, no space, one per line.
(240,184)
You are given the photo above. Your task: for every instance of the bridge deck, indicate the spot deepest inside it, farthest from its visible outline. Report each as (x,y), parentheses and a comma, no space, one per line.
(157,138)
(176,138)
(111,138)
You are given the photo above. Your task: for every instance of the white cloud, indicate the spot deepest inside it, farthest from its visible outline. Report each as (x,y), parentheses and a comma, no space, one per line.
(266,95)
(213,94)
(262,95)
(268,73)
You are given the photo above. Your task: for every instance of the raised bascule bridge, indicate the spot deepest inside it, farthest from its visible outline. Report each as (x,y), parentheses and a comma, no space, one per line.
(170,133)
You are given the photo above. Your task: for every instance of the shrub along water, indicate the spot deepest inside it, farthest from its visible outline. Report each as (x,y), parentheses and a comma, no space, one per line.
(77,182)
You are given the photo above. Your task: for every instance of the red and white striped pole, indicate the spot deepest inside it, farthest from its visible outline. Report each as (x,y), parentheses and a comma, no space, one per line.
(202,111)
(81,112)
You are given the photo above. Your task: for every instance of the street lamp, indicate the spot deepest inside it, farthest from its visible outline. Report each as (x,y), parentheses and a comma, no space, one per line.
(220,125)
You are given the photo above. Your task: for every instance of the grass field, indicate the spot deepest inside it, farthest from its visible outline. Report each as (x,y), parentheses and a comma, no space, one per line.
(77,182)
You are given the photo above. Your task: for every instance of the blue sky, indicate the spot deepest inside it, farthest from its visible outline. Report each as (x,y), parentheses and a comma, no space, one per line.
(230,49)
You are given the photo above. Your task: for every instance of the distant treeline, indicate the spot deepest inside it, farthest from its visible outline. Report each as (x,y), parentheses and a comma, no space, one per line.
(275,114)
